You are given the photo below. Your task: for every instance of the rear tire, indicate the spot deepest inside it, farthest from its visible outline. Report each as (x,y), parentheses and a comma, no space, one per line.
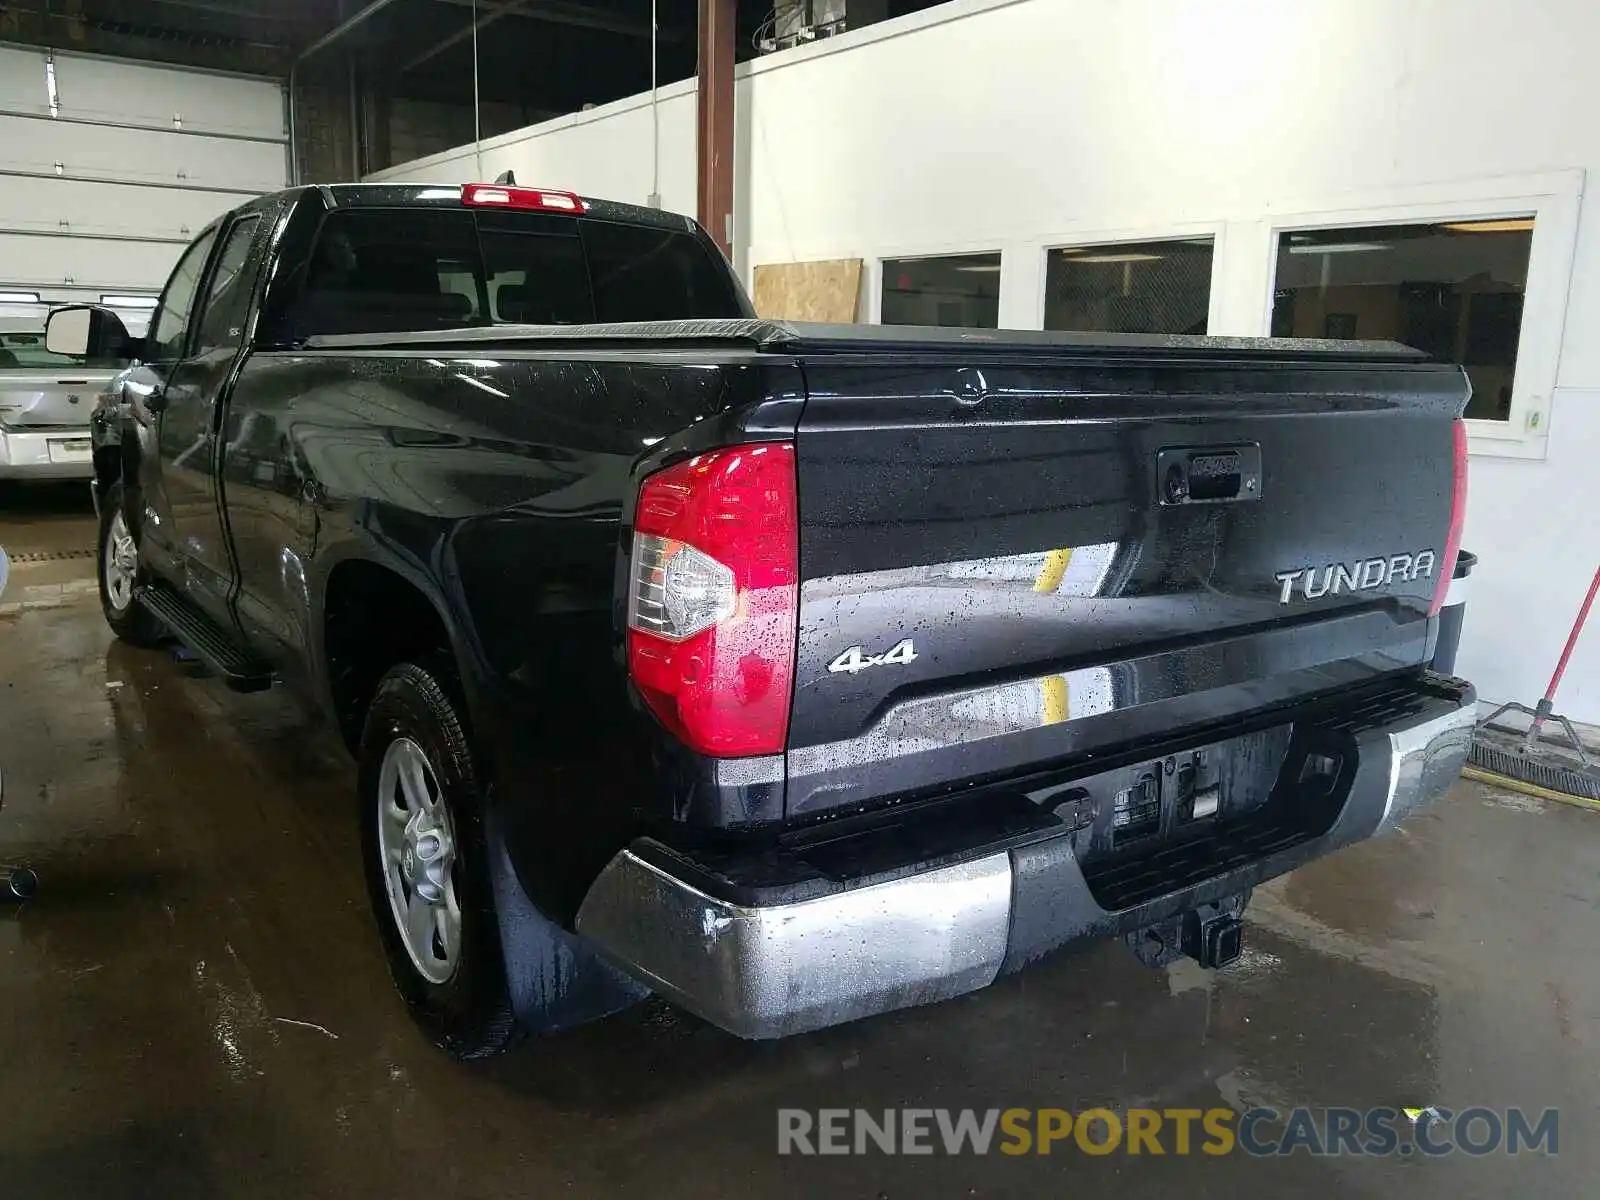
(117,565)
(427,864)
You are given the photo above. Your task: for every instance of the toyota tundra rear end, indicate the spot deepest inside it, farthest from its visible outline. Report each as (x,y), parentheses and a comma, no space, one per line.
(960,647)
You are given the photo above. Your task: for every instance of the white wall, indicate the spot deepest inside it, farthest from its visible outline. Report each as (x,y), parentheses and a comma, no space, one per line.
(1014,124)
(603,152)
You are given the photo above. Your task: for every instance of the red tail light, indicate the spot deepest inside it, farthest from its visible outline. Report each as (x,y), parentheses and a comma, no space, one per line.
(713,598)
(493,195)
(1458,517)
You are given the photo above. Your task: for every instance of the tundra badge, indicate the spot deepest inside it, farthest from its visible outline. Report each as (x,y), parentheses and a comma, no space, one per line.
(1362,576)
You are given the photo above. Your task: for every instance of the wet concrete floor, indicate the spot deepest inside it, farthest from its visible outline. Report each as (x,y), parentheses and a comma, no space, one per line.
(195,1004)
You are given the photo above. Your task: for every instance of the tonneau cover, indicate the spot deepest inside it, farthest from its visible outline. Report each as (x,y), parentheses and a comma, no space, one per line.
(795,337)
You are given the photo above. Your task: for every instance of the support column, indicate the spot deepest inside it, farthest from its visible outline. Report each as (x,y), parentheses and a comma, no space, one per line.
(357,120)
(714,128)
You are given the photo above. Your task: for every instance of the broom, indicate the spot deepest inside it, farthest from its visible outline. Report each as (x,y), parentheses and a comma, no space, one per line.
(1530,760)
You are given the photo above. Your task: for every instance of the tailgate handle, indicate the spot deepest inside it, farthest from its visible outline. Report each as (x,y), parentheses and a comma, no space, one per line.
(1209,474)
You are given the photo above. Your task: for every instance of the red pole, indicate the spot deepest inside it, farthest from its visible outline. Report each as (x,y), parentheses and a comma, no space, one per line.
(1572,639)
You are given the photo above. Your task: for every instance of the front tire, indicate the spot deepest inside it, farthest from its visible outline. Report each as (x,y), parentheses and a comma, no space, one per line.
(427,864)
(117,564)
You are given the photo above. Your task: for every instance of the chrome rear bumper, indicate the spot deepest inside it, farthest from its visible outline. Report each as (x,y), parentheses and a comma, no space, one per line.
(769,970)
(780,969)
(1425,759)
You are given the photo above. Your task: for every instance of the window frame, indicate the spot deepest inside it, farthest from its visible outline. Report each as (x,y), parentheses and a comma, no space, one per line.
(1553,200)
(1110,239)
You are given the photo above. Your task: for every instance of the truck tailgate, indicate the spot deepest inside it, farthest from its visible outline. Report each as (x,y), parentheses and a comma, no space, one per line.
(1030,555)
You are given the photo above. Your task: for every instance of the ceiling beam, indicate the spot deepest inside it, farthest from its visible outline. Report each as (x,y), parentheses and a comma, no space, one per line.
(583,16)
(241,10)
(342,28)
(461,35)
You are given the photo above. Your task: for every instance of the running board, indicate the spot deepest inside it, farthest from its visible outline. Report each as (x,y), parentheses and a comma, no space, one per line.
(212,644)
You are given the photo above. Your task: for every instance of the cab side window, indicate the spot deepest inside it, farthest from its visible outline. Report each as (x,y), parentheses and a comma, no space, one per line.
(228,295)
(165,343)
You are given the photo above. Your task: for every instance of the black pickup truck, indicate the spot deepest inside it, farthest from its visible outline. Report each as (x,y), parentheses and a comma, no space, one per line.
(797,673)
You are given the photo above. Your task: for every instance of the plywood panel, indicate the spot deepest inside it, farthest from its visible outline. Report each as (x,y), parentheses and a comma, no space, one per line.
(829,290)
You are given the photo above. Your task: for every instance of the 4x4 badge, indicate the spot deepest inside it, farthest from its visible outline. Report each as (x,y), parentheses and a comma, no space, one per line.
(852,660)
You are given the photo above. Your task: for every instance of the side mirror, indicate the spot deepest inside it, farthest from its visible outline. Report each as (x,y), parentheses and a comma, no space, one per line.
(67,331)
(96,335)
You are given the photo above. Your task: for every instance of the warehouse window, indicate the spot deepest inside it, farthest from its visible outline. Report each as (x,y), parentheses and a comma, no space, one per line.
(1130,287)
(960,290)
(1453,289)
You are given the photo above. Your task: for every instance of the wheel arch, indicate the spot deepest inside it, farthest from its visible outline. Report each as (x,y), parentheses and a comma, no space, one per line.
(372,613)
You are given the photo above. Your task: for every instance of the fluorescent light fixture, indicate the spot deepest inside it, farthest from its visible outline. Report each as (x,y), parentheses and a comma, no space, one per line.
(50,86)
(20,298)
(116,301)
(1338,248)
(1117,258)
(982,270)
(1499,225)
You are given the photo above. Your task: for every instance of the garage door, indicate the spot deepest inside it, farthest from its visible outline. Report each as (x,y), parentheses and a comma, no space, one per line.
(108,168)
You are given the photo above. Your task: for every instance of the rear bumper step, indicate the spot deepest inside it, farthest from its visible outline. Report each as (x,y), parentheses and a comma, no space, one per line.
(772,969)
